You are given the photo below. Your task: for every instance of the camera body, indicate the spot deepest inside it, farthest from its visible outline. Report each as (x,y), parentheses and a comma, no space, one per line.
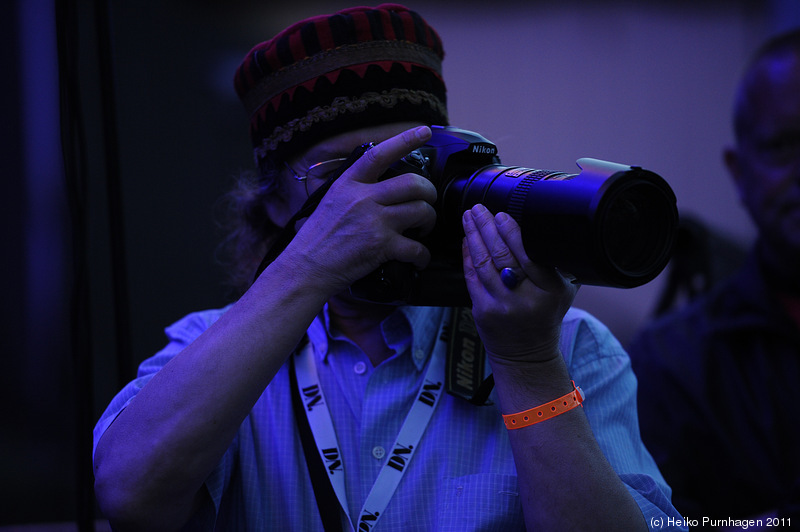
(608,225)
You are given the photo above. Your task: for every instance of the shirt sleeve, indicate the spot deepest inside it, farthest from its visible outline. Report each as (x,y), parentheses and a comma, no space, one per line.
(601,367)
(180,334)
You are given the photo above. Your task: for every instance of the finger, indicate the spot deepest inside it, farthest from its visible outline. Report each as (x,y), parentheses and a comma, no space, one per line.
(502,256)
(406,249)
(405,187)
(418,215)
(480,257)
(511,233)
(545,277)
(470,275)
(372,165)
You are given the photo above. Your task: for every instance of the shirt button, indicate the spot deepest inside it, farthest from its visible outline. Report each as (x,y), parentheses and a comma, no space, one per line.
(360,368)
(419,354)
(378,452)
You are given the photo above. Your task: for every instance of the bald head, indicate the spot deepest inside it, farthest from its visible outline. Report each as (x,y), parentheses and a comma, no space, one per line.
(772,61)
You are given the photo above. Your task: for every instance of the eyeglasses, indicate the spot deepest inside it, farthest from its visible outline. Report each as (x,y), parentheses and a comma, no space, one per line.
(320,171)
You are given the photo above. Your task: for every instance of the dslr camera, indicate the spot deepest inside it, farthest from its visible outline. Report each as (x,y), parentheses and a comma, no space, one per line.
(608,225)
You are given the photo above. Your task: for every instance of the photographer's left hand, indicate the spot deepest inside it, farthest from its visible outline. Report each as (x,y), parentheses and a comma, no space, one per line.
(521,324)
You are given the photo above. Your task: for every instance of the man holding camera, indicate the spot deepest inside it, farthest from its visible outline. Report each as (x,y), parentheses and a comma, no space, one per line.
(300,407)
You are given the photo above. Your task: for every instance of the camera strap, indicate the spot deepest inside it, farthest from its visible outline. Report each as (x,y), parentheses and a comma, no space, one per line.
(466,360)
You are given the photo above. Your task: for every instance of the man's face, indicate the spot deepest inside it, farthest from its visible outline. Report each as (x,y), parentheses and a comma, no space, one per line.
(766,162)
(291,193)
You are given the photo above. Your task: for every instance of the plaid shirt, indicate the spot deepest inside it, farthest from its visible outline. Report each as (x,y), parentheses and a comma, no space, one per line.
(462,476)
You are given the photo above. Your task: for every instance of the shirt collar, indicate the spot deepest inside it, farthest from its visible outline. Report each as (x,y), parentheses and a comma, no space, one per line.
(425,323)
(422,322)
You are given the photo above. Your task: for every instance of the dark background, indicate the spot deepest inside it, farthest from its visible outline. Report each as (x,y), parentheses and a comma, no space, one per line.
(75,323)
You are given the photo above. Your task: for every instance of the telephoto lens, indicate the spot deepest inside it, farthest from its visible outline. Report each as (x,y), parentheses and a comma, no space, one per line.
(608,225)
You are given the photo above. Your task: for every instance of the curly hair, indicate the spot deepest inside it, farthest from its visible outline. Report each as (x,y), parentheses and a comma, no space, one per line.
(247,228)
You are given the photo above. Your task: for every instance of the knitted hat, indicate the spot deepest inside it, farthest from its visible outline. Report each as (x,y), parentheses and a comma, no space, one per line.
(330,74)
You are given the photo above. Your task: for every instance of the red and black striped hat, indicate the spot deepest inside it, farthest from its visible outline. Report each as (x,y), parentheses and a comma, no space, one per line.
(329,74)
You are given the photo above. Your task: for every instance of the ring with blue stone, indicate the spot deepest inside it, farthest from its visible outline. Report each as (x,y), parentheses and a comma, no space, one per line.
(511,277)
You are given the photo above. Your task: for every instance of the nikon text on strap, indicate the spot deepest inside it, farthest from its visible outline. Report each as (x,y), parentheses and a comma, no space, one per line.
(466,360)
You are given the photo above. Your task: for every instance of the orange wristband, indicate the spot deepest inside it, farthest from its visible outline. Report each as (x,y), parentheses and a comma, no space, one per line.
(545,411)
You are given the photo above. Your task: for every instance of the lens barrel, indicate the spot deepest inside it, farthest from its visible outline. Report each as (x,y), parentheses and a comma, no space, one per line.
(610,225)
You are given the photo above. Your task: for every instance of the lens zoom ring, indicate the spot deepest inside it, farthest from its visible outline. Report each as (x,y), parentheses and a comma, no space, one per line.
(516,201)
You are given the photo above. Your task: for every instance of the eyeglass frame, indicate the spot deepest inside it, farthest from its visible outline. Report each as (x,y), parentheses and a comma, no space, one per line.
(304,178)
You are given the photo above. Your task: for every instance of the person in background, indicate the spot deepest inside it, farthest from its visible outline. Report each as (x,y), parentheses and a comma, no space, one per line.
(718,376)
(300,407)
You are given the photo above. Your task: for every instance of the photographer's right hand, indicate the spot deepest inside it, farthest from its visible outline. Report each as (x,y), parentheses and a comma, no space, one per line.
(361,221)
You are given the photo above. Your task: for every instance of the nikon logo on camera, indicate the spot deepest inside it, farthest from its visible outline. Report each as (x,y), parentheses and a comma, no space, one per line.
(484,149)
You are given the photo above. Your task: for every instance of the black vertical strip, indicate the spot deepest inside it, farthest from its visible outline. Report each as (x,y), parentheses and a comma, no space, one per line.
(74,153)
(339,30)
(308,33)
(376,25)
(396,21)
(351,29)
(422,34)
(283,49)
(116,214)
